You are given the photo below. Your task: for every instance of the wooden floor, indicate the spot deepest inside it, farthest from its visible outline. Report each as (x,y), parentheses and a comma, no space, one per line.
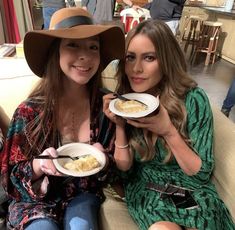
(215,79)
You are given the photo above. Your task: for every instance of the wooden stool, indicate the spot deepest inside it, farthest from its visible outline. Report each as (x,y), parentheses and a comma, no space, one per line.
(208,41)
(191,31)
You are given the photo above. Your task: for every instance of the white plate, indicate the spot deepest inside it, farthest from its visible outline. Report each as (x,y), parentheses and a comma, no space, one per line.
(78,149)
(151,101)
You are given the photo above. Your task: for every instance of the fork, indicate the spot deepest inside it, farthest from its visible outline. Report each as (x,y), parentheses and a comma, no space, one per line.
(60,156)
(104,90)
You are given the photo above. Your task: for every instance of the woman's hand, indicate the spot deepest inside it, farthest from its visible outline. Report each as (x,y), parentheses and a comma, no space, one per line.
(114,118)
(99,146)
(45,166)
(137,8)
(159,124)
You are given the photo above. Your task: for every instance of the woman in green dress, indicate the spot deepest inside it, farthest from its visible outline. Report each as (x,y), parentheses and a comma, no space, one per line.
(167,157)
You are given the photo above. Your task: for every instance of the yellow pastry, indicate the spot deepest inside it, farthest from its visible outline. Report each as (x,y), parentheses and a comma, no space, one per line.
(130,106)
(83,164)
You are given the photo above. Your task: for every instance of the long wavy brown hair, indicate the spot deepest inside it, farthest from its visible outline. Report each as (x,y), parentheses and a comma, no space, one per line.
(175,82)
(47,94)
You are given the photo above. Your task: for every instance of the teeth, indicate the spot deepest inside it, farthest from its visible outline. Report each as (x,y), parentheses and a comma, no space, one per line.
(82,68)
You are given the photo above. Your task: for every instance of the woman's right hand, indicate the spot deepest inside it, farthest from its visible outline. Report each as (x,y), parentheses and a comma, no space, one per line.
(119,121)
(45,166)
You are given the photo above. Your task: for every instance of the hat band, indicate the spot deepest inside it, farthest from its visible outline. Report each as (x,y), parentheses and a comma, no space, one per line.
(73,21)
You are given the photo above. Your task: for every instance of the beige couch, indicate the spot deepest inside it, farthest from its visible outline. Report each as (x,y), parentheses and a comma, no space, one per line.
(113,213)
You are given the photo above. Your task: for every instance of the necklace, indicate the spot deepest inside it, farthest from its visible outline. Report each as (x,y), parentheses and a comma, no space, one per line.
(78,125)
(73,128)
(74,122)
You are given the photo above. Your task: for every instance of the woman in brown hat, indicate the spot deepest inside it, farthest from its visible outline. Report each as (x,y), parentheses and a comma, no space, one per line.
(64,107)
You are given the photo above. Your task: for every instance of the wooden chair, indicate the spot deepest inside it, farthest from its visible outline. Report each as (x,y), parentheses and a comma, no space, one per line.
(191,31)
(208,41)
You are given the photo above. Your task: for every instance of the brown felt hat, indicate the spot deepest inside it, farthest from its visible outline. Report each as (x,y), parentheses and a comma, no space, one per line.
(72,23)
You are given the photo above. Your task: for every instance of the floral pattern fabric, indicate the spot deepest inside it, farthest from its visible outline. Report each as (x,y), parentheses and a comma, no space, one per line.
(1,140)
(27,202)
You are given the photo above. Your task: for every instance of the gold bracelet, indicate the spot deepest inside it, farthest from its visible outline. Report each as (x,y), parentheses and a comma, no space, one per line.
(121,146)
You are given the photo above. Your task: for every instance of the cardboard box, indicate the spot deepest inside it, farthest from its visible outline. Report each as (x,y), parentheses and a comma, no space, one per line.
(19,50)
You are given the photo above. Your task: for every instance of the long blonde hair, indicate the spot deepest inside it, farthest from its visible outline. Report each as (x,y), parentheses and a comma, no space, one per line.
(46,94)
(175,82)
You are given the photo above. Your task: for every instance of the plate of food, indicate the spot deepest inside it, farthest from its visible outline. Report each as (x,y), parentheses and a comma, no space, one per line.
(139,105)
(90,160)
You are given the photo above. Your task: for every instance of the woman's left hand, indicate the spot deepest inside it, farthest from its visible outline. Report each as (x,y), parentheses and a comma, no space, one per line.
(159,124)
(99,146)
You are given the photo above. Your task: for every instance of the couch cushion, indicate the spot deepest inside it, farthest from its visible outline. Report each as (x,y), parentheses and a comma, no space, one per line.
(224,150)
(114,214)
(16,82)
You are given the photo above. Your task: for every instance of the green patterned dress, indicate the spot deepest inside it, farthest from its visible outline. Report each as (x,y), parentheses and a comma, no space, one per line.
(147,207)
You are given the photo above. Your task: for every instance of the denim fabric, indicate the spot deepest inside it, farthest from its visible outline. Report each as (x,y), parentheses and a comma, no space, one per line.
(81,213)
(229,101)
(47,13)
(42,224)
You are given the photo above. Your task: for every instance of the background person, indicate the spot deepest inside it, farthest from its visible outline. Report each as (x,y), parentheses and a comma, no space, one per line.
(229,100)
(102,10)
(169,11)
(166,158)
(49,7)
(65,107)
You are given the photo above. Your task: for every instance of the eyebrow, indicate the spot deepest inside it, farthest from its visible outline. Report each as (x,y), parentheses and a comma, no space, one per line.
(143,54)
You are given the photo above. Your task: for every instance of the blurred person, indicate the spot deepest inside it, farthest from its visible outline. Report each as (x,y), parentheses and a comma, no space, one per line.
(229,100)
(169,11)
(102,10)
(49,7)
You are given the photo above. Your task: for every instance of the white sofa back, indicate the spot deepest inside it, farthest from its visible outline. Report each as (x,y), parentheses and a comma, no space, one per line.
(224,151)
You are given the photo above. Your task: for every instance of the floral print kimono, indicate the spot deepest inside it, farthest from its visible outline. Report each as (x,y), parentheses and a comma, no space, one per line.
(26,200)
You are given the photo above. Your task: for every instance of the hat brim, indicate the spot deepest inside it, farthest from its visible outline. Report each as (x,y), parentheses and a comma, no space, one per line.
(37,43)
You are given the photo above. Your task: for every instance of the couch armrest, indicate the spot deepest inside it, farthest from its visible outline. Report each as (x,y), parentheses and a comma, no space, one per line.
(224,151)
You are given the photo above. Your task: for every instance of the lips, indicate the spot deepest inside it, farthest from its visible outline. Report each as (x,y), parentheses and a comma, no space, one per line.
(137,80)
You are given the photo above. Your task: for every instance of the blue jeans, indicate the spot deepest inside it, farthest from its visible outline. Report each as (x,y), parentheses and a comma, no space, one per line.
(81,213)
(47,13)
(229,101)
(45,223)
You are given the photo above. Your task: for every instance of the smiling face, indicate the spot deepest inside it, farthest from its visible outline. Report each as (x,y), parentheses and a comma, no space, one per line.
(80,58)
(142,66)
